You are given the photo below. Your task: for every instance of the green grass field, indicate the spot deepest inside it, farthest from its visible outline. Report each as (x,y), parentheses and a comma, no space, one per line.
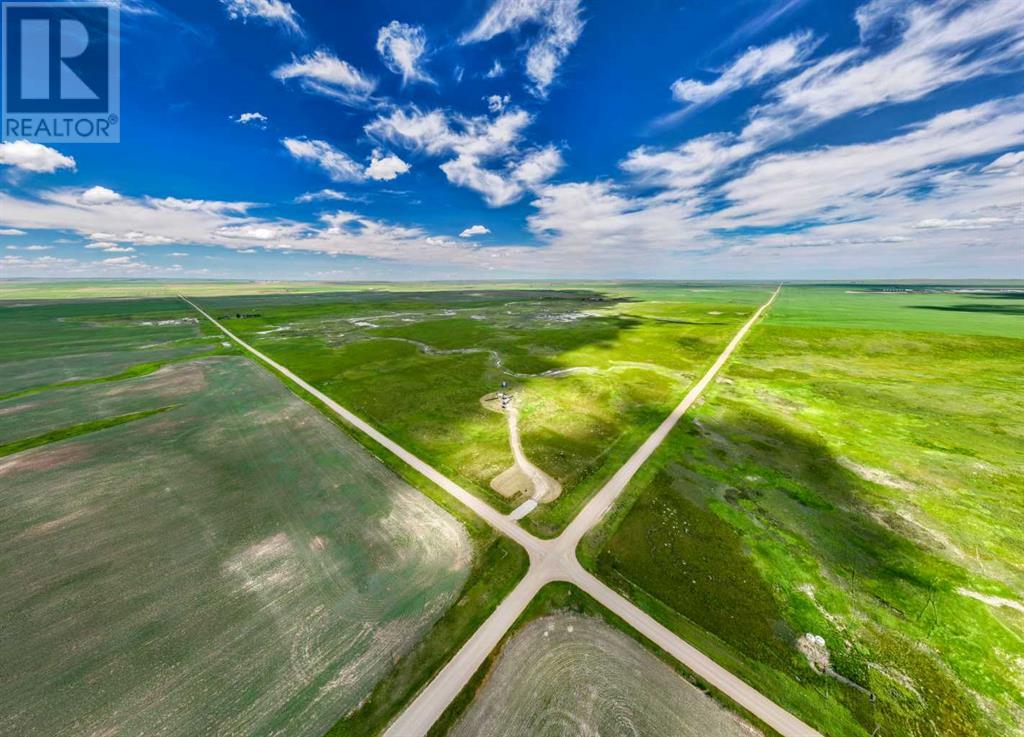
(416,364)
(854,475)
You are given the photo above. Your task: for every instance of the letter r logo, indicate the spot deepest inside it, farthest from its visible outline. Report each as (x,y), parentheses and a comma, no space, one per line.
(36,60)
(60,71)
(59,58)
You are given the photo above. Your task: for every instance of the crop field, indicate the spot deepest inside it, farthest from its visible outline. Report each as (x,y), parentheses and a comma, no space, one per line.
(598,678)
(839,522)
(48,343)
(590,372)
(39,413)
(224,561)
(566,674)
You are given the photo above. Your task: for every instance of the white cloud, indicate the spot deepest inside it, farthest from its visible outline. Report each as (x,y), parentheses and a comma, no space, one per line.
(195,205)
(560,28)
(872,17)
(119,249)
(178,254)
(939,44)
(339,166)
(496,189)
(537,166)
(385,168)
(98,196)
(476,144)
(132,7)
(34,157)
(138,238)
(42,263)
(575,217)
(271,11)
(755,65)
(138,221)
(473,230)
(325,74)
(960,223)
(11,231)
(323,194)
(121,261)
(770,11)
(402,48)
(259,120)
(428,132)
(921,198)
(253,232)
(497,103)
(1007,161)
(495,71)
(691,164)
(122,222)
(933,45)
(843,182)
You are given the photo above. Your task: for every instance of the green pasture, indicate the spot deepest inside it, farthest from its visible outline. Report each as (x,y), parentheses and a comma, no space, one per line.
(854,474)
(416,365)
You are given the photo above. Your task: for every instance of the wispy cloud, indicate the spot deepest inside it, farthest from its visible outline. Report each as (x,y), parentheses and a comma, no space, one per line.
(935,45)
(918,192)
(270,11)
(771,12)
(323,73)
(851,182)
(477,143)
(757,64)
(403,49)
(341,167)
(560,28)
(938,44)
(322,195)
(254,119)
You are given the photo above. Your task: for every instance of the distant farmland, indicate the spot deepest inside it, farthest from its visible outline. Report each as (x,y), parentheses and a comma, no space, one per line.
(232,564)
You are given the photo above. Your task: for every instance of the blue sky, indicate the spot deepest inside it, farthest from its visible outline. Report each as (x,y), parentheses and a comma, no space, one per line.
(541,138)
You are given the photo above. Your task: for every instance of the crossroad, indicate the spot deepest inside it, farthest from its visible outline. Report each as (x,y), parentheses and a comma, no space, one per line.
(555,560)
